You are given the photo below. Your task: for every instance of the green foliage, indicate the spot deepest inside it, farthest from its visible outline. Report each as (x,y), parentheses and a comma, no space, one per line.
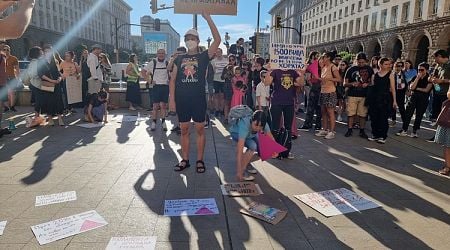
(346,56)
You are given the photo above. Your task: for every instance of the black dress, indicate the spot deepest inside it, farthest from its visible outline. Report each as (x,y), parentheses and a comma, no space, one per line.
(51,103)
(379,99)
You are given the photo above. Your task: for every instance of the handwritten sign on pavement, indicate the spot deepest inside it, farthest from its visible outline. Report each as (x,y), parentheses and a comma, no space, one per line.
(132,243)
(190,207)
(44,200)
(336,201)
(2,226)
(241,189)
(68,226)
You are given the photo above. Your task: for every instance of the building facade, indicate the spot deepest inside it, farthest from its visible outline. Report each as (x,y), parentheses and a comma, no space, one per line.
(406,29)
(52,20)
(290,13)
(167,37)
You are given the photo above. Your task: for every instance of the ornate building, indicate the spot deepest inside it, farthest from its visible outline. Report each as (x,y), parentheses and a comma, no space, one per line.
(407,29)
(53,19)
(290,13)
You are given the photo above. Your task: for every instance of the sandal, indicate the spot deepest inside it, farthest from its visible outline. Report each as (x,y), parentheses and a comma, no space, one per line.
(200,169)
(445,171)
(180,166)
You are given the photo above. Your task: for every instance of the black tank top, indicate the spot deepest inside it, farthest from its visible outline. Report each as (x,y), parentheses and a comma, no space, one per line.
(379,94)
(381,85)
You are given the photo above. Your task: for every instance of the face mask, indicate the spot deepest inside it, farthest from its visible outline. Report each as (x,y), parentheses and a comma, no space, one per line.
(191,45)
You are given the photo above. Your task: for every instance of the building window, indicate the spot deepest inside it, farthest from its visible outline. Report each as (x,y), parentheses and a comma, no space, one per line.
(394,14)
(334,16)
(365,23)
(419,8)
(405,12)
(350,28)
(333,33)
(338,36)
(375,3)
(352,11)
(360,6)
(383,19)
(373,26)
(344,30)
(367,4)
(340,14)
(358,26)
(434,7)
(329,18)
(346,11)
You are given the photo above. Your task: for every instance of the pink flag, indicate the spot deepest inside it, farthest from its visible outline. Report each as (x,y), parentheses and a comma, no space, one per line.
(268,147)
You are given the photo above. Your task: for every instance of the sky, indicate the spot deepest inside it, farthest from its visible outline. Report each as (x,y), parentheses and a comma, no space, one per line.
(242,25)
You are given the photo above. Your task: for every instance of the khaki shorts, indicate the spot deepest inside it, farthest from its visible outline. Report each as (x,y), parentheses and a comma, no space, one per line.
(355,106)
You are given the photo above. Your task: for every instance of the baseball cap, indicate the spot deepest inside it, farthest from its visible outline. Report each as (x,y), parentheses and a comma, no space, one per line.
(192,32)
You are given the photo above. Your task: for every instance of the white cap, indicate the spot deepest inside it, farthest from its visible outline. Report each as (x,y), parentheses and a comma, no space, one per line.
(192,32)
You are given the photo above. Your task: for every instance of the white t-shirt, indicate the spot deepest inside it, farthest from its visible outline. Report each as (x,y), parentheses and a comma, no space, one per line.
(263,91)
(218,66)
(161,76)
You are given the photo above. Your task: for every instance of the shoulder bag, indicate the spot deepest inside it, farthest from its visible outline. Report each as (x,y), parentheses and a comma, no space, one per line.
(443,119)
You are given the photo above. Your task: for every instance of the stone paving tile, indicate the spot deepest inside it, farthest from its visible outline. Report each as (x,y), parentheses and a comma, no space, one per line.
(12,246)
(18,231)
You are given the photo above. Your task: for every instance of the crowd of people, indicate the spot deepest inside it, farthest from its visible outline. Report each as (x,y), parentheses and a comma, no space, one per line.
(199,83)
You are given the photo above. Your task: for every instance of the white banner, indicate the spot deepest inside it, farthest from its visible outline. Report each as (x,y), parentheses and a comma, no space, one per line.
(190,207)
(43,200)
(74,92)
(132,243)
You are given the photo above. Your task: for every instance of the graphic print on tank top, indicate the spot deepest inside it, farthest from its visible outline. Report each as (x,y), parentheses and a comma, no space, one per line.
(189,67)
(287,81)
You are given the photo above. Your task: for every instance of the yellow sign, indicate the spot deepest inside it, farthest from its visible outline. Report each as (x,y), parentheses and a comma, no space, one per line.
(213,7)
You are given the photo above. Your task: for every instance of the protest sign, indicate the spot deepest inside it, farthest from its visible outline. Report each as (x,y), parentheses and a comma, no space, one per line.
(43,200)
(190,207)
(135,243)
(68,226)
(74,92)
(336,201)
(287,56)
(241,189)
(265,213)
(213,7)
(2,226)
(268,147)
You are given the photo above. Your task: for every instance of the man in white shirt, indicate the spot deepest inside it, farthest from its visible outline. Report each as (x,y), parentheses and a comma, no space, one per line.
(96,79)
(157,70)
(219,63)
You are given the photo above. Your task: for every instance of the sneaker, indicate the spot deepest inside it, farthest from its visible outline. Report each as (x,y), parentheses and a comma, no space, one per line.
(392,123)
(164,126)
(373,138)
(61,122)
(363,134)
(132,108)
(304,128)
(322,133)
(249,178)
(290,156)
(431,139)
(330,135)
(414,135)
(339,118)
(381,140)
(349,133)
(401,133)
(51,122)
(153,126)
(251,170)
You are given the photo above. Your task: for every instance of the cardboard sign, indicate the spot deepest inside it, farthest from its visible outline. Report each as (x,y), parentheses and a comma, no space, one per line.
(213,7)
(68,226)
(265,213)
(190,207)
(74,92)
(2,226)
(135,243)
(90,125)
(287,56)
(44,200)
(268,147)
(241,189)
(337,201)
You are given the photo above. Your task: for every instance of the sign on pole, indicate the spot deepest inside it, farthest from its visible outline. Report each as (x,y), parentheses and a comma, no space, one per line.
(287,56)
(228,7)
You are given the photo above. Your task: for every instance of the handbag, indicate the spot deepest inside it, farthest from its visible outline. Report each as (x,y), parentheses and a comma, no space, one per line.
(443,119)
